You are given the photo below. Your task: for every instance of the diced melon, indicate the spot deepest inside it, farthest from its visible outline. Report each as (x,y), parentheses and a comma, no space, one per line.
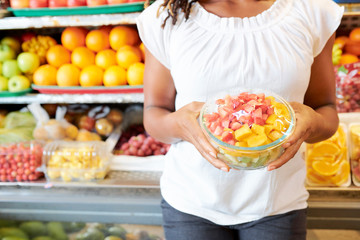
(256,140)
(268,128)
(272,99)
(274,135)
(271,119)
(243,132)
(255,128)
(268,141)
(241,144)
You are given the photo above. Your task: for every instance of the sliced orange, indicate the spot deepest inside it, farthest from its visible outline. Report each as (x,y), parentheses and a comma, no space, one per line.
(325,168)
(325,148)
(313,177)
(343,176)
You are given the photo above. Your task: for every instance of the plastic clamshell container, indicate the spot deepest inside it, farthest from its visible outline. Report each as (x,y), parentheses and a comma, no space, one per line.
(70,161)
(248,158)
(20,161)
(354,132)
(327,162)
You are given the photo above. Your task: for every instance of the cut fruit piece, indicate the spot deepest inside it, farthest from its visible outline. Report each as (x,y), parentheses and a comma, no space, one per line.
(243,132)
(325,149)
(325,168)
(343,176)
(257,129)
(275,135)
(256,140)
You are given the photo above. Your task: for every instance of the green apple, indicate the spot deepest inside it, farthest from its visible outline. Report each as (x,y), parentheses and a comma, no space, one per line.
(18,83)
(10,68)
(6,52)
(28,62)
(12,42)
(3,83)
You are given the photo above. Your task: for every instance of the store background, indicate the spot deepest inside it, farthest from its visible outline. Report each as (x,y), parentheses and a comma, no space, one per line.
(129,195)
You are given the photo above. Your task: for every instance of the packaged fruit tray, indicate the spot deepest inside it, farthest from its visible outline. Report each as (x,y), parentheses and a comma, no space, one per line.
(21,161)
(83,10)
(327,162)
(15,94)
(88,90)
(249,128)
(73,161)
(354,129)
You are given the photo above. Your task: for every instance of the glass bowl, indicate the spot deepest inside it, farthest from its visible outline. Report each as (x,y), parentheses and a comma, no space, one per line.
(248,129)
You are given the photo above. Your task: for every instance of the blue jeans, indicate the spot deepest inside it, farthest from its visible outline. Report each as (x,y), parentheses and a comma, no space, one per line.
(181,226)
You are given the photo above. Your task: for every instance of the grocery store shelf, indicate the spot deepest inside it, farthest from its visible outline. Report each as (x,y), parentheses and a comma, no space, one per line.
(10,23)
(74,98)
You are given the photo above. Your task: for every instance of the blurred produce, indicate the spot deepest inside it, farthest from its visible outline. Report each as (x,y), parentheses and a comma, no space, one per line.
(19,162)
(19,119)
(328,162)
(39,45)
(16,127)
(349,46)
(355,152)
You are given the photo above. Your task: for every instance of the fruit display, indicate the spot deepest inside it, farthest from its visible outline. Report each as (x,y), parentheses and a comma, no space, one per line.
(354,130)
(327,162)
(20,161)
(248,128)
(76,161)
(346,48)
(348,88)
(39,45)
(40,230)
(134,141)
(16,127)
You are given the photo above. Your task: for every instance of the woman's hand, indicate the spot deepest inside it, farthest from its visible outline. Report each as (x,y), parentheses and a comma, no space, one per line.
(188,129)
(304,128)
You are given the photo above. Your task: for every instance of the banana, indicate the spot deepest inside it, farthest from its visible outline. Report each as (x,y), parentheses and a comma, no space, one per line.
(336,54)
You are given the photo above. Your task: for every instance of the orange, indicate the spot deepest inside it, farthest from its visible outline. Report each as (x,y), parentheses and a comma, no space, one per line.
(355,34)
(135,74)
(325,168)
(325,148)
(91,76)
(68,75)
(73,37)
(82,57)
(106,28)
(142,49)
(123,35)
(353,47)
(126,57)
(57,55)
(45,75)
(132,48)
(348,58)
(97,40)
(115,76)
(105,58)
(343,176)
(341,41)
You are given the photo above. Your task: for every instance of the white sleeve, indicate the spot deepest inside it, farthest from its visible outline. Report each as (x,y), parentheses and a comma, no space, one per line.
(324,17)
(152,34)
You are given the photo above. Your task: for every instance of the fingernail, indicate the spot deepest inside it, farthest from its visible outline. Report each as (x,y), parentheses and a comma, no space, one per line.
(270,168)
(225,169)
(212,154)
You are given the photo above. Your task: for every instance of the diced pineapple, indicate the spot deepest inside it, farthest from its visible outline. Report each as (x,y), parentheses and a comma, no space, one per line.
(241,144)
(268,128)
(272,99)
(257,129)
(256,140)
(274,135)
(279,125)
(271,119)
(243,132)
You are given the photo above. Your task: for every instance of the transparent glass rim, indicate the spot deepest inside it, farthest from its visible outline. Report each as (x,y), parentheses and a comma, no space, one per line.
(269,146)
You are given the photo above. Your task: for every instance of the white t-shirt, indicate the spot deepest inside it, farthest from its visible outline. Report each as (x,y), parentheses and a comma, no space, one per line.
(206,54)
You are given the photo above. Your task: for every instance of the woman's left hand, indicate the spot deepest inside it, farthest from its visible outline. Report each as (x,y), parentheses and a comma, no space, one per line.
(304,127)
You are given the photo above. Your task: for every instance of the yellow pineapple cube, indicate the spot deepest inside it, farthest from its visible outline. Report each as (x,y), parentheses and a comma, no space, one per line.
(268,128)
(256,140)
(274,135)
(241,144)
(243,132)
(279,125)
(272,99)
(257,129)
(271,119)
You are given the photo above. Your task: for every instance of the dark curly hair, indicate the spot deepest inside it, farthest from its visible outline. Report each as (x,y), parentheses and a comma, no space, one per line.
(173,7)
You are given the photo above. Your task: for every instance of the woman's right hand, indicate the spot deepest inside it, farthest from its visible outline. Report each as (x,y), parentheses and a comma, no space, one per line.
(188,129)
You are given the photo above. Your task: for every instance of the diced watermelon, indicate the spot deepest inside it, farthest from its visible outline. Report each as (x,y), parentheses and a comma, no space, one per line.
(270,111)
(211,117)
(223,114)
(259,121)
(235,126)
(213,126)
(220,101)
(267,102)
(257,113)
(218,131)
(249,108)
(227,136)
(225,123)
(261,96)
(264,116)
(253,96)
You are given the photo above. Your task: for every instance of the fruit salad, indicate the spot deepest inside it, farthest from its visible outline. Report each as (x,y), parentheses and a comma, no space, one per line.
(327,162)
(355,152)
(248,129)
(76,161)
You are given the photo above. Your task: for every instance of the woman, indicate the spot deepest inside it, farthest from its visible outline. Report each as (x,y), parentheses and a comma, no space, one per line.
(195,49)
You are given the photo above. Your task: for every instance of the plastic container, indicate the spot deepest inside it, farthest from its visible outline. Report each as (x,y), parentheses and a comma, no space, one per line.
(354,129)
(75,161)
(20,161)
(253,126)
(327,162)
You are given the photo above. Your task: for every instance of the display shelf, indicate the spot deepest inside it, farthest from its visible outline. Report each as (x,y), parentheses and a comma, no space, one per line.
(74,98)
(10,23)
